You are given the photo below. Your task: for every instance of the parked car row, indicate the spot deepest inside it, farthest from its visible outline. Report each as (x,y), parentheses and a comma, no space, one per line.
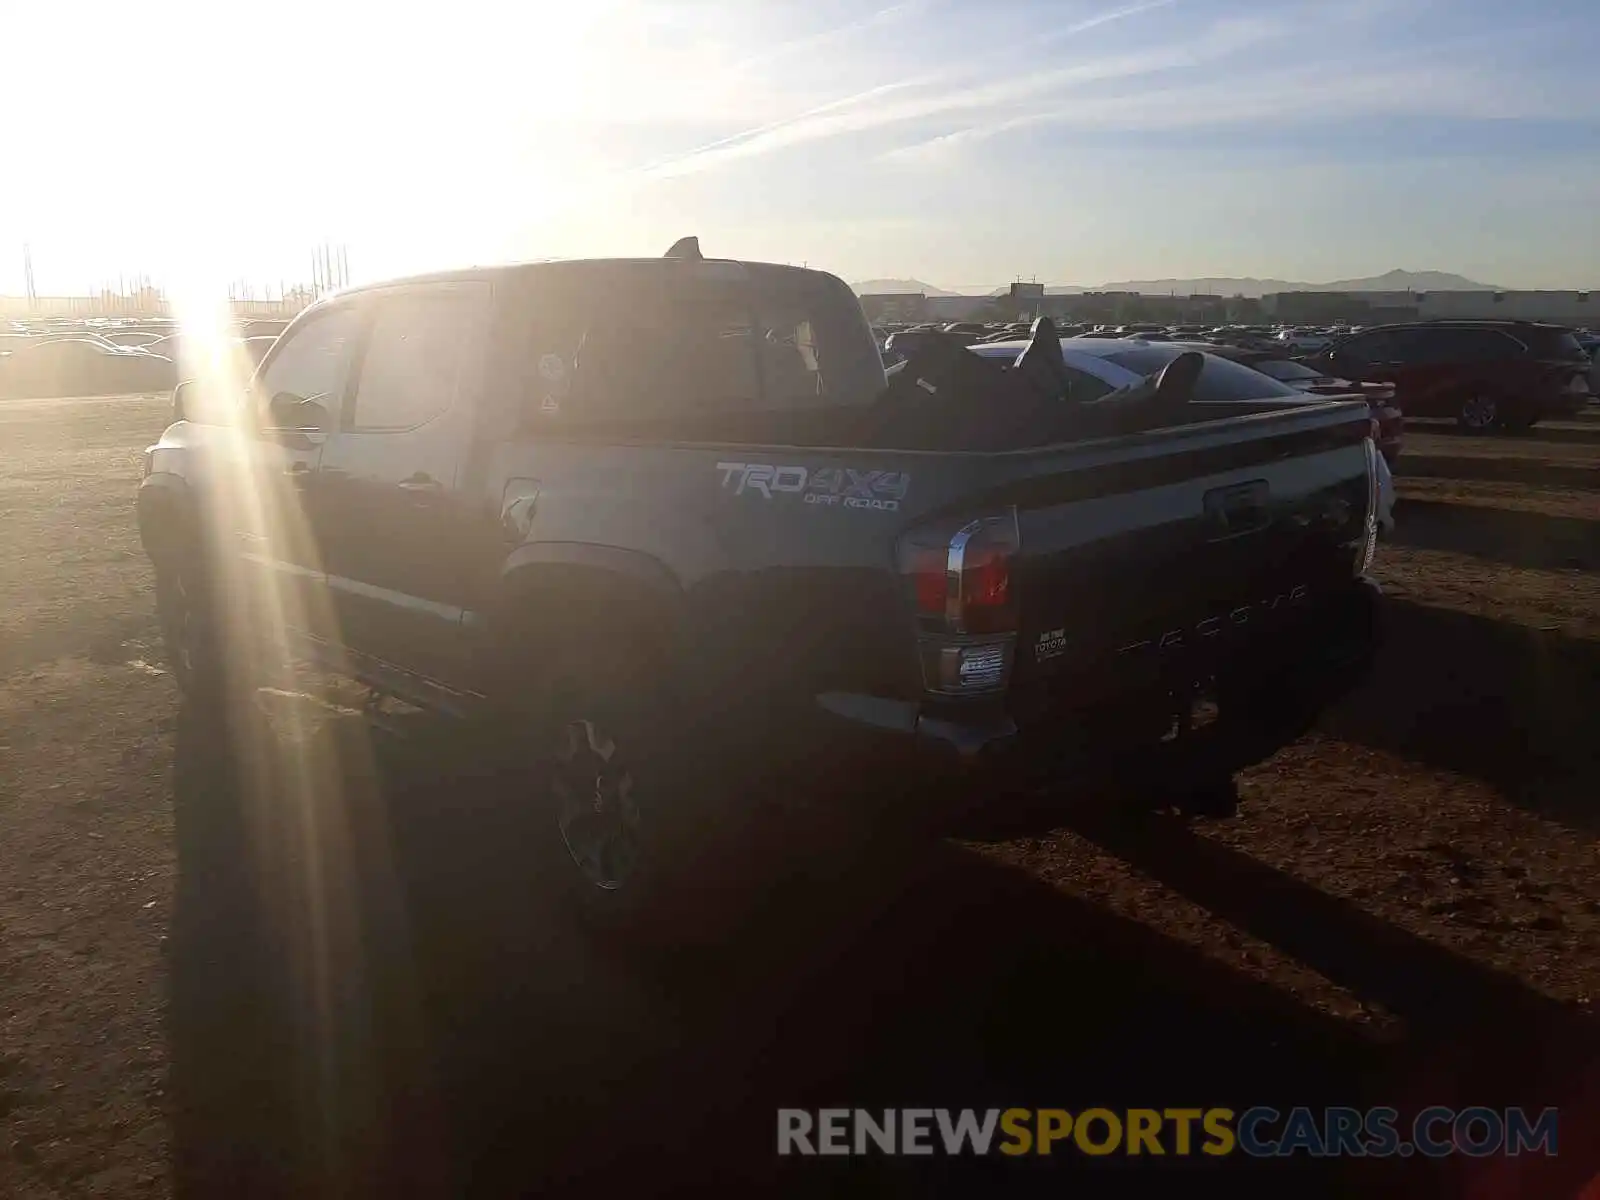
(1099,367)
(93,357)
(80,365)
(1485,375)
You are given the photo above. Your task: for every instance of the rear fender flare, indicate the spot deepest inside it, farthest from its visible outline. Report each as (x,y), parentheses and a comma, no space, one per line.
(619,579)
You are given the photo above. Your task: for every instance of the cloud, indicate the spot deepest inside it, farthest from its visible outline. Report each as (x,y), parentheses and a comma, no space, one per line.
(1106,18)
(1223,39)
(1444,80)
(862,111)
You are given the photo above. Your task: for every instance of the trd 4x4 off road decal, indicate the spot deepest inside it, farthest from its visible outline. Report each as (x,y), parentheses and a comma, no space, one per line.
(831,486)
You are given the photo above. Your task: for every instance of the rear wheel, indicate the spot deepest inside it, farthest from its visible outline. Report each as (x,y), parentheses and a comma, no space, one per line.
(636,835)
(1479,413)
(594,802)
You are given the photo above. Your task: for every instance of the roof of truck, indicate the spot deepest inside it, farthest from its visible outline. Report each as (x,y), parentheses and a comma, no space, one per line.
(503,270)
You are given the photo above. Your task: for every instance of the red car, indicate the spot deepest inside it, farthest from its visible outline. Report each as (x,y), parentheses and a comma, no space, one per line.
(1487,375)
(1305,378)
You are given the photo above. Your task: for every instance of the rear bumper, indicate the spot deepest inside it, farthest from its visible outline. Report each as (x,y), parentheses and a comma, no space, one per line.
(1268,707)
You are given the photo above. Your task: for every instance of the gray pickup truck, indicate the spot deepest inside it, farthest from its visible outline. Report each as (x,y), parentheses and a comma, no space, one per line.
(671,518)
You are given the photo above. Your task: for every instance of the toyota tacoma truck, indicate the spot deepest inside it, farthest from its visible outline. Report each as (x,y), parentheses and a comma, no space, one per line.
(670,521)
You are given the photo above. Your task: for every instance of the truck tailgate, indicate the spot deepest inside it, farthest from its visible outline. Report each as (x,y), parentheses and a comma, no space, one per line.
(1168,551)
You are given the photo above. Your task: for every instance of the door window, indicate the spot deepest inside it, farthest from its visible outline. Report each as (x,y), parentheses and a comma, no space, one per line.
(310,363)
(416,358)
(1410,347)
(1370,348)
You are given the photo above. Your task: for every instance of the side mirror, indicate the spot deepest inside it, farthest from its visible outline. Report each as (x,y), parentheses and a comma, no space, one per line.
(291,412)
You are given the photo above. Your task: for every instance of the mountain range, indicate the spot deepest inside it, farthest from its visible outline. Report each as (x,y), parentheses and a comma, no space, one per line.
(1391,281)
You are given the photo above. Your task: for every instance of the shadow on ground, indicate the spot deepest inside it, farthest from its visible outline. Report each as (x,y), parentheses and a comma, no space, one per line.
(1507,469)
(1517,539)
(1572,430)
(373,994)
(1505,703)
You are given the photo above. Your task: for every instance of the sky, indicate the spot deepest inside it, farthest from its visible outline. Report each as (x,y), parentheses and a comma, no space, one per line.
(960,142)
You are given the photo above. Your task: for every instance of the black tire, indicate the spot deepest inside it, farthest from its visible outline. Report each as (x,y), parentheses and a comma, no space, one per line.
(1480,412)
(648,863)
(1215,798)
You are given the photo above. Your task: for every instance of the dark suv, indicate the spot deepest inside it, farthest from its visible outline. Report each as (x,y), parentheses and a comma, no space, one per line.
(1485,374)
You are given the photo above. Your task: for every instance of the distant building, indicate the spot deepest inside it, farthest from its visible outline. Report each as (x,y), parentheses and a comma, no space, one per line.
(895,306)
(1376,308)
(1566,308)
(957,308)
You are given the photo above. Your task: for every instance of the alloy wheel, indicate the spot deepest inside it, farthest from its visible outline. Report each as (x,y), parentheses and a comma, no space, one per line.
(596,810)
(1479,411)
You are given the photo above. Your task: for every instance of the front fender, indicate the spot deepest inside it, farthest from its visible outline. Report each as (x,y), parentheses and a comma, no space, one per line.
(168,516)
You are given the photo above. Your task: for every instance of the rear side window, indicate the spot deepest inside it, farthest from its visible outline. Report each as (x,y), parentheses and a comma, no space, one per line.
(666,347)
(418,349)
(1221,379)
(1464,345)
(664,356)
(1557,344)
(790,355)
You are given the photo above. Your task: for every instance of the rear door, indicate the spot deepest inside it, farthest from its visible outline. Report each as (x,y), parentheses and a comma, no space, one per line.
(1390,356)
(394,514)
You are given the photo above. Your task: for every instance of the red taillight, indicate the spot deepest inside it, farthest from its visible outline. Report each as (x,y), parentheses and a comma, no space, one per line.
(961,578)
(961,574)
(986,590)
(929,570)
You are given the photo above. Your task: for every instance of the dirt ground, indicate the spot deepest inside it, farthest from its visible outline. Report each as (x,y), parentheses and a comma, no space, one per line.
(1407,912)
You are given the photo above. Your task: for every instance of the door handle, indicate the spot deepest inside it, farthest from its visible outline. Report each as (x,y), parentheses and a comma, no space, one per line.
(299,473)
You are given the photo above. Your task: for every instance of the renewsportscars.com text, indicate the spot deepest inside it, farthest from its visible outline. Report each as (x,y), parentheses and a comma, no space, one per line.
(1258,1132)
